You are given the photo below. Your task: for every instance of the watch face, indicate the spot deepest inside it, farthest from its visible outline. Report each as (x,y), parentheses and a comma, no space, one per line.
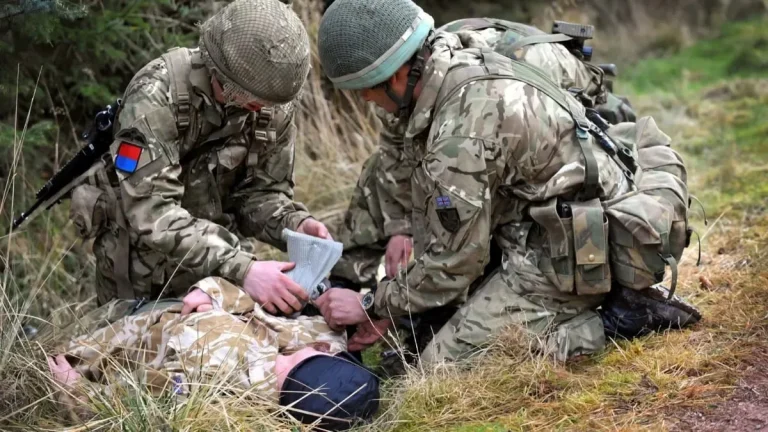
(367,300)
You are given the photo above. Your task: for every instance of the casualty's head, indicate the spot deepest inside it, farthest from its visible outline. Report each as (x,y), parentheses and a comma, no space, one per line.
(334,390)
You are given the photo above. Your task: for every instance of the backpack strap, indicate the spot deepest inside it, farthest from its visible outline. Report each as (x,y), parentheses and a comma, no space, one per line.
(177,60)
(536,78)
(509,51)
(122,253)
(264,128)
(496,66)
(518,28)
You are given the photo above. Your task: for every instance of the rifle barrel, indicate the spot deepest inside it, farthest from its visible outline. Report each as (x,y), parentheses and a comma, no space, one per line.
(24,215)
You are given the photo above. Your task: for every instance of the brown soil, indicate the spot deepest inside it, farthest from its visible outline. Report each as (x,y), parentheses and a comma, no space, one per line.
(745,410)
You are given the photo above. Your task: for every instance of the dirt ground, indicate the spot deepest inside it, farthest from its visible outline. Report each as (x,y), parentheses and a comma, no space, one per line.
(745,410)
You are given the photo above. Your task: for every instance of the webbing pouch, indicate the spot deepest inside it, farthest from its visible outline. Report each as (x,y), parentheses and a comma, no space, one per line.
(590,243)
(575,256)
(557,261)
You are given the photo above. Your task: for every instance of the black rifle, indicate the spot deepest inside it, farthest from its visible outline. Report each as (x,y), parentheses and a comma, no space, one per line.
(98,139)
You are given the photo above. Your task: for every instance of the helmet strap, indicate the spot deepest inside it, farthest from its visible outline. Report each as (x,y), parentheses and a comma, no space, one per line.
(405,104)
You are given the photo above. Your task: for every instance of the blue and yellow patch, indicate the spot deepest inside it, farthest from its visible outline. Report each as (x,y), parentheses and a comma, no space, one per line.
(443,201)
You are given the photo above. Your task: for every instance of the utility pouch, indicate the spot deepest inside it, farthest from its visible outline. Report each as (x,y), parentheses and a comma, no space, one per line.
(590,242)
(575,258)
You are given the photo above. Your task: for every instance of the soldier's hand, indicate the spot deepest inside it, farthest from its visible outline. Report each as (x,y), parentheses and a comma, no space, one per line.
(368,333)
(399,250)
(268,286)
(341,307)
(196,301)
(314,228)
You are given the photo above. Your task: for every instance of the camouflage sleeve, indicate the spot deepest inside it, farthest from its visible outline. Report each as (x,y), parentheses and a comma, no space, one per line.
(219,348)
(225,296)
(294,334)
(393,178)
(146,152)
(265,202)
(565,69)
(454,206)
(88,350)
(104,343)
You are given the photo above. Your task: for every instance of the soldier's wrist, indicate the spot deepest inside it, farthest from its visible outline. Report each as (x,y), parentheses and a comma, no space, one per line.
(368,301)
(236,268)
(397,227)
(295,219)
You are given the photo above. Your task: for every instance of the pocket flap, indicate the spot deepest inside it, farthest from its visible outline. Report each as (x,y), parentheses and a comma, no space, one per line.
(230,157)
(546,215)
(589,240)
(640,215)
(453,214)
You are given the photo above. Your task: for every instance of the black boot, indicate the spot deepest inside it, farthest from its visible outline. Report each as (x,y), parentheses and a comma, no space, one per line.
(629,313)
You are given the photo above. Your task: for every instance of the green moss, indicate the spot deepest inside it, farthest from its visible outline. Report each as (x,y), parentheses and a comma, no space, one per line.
(741,50)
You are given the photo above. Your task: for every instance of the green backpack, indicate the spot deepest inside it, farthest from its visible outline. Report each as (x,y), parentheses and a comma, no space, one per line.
(615,109)
(630,239)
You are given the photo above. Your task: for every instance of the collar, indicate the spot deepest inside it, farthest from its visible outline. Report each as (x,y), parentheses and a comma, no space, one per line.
(435,69)
(200,79)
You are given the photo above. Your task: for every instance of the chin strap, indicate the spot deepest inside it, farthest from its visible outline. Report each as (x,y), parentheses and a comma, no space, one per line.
(405,104)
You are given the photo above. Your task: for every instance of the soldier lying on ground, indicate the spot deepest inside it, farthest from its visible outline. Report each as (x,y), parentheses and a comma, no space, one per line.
(202,164)
(502,155)
(216,337)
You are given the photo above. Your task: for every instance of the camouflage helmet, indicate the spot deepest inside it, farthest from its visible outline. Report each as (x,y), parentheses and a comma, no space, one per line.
(363,43)
(258,50)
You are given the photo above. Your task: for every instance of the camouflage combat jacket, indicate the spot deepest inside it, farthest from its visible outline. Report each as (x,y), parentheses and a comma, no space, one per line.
(189,205)
(235,345)
(492,150)
(394,171)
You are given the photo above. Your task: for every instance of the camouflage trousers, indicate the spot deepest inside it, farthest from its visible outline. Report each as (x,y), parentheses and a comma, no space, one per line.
(509,300)
(521,300)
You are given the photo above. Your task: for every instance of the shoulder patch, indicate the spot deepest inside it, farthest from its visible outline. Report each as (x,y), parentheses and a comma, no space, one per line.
(128,155)
(447,213)
(449,219)
(443,201)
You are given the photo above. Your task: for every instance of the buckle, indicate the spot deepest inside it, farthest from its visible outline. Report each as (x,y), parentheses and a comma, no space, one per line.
(260,135)
(183,102)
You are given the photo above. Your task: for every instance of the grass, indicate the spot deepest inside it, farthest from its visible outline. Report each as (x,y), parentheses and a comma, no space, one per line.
(739,50)
(716,117)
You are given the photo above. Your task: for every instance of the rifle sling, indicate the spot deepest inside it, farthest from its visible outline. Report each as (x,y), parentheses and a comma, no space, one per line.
(123,252)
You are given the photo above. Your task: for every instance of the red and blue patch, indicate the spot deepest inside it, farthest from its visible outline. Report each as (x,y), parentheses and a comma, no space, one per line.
(128,155)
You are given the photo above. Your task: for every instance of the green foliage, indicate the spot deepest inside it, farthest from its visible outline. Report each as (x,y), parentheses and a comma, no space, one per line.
(741,50)
(87,53)
(720,84)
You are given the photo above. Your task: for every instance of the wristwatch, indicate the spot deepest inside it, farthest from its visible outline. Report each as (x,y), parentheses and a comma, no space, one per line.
(368,305)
